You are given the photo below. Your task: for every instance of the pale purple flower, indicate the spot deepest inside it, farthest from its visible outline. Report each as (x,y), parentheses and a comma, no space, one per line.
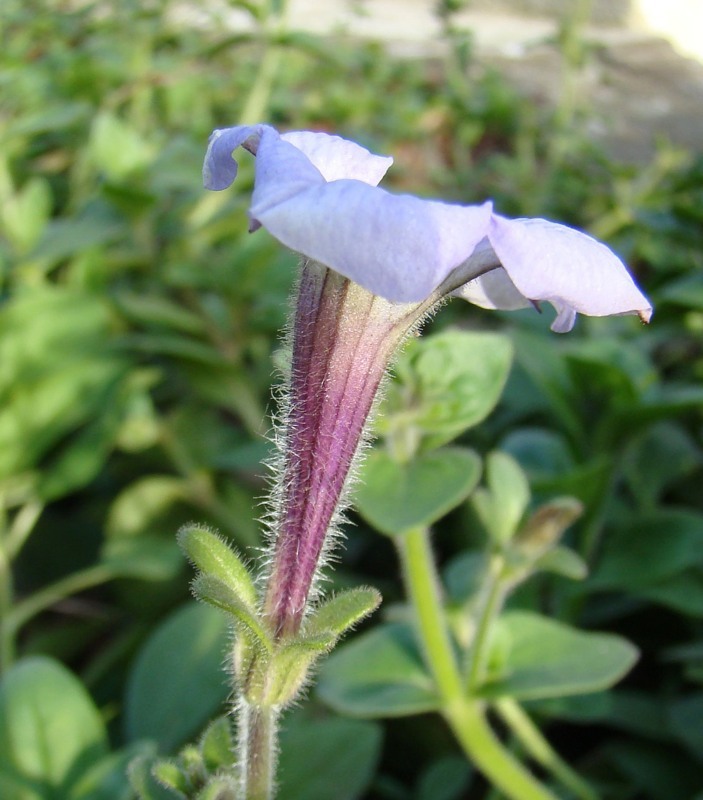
(374,265)
(318,195)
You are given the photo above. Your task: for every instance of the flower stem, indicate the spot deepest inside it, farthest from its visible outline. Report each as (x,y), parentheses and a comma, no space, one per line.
(423,591)
(493,597)
(7,632)
(52,594)
(259,96)
(539,748)
(257,750)
(465,715)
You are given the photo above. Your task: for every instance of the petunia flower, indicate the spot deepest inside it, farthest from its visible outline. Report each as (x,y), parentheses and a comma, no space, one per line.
(374,264)
(318,195)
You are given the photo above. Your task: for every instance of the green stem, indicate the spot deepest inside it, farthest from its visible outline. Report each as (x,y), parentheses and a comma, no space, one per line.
(257,750)
(258,99)
(22,526)
(422,587)
(494,595)
(465,715)
(490,755)
(7,634)
(539,748)
(52,594)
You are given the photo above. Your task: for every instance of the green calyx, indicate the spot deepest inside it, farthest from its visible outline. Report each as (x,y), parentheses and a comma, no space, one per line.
(270,671)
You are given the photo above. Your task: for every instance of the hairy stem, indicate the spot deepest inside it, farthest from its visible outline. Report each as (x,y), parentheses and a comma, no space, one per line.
(257,750)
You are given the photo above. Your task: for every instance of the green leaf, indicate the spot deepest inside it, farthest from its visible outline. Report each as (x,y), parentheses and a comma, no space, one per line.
(177,682)
(341,612)
(654,770)
(547,370)
(211,554)
(146,558)
(117,148)
(503,504)
(379,674)
(683,592)
(134,510)
(465,573)
(685,717)
(395,497)
(649,549)
(447,778)
(664,443)
(217,744)
(25,214)
(156,310)
(543,658)
(543,454)
(328,759)
(563,561)
(446,383)
(51,733)
(107,780)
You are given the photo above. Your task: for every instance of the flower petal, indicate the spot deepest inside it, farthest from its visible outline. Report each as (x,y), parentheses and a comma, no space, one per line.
(338,158)
(397,246)
(493,290)
(219,168)
(574,272)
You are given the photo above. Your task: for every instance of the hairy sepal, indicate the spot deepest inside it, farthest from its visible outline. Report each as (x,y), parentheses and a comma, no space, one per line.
(209,553)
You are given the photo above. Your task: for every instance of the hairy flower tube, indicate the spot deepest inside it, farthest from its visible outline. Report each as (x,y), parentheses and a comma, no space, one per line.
(374,264)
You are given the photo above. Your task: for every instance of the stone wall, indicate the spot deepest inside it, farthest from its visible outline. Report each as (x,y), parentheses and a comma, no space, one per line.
(601,12)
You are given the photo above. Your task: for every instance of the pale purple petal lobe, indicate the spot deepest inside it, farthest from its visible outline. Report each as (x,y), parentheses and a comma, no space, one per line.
(551,262)
(317,194)
(399,247)
(338,158)
(219,168)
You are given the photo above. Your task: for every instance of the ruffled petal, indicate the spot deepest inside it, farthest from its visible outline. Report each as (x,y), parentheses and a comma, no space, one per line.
(493,290)
(219,168)
(551,262)
(338,158)
(332,156)
(317,194)
(397,246)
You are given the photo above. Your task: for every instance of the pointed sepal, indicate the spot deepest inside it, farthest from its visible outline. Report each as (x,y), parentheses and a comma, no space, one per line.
(217,745)
(213,556)
(217,593)
(219,787)
(342,612)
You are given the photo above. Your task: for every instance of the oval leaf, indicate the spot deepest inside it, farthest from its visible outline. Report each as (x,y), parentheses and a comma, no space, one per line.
(446,383)
(177,681)
(328,759)
(395,497)
(379,674)
(51,733)
(543,658)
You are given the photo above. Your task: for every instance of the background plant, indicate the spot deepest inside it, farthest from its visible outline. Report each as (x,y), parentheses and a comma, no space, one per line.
(136,335)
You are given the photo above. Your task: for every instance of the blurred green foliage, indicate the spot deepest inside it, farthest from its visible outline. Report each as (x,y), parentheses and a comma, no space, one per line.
(137,327)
